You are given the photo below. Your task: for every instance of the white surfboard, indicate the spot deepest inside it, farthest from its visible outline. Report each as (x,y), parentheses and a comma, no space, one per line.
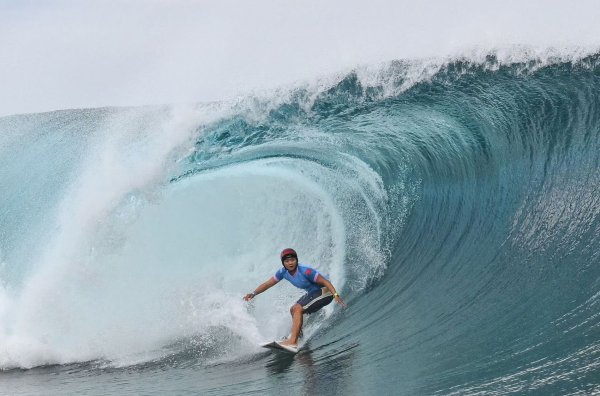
(277,346)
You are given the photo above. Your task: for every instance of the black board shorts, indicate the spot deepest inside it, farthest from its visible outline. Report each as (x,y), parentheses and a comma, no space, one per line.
(312,302)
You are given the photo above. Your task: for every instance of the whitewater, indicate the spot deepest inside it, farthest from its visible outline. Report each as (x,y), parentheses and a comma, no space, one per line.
(453,201)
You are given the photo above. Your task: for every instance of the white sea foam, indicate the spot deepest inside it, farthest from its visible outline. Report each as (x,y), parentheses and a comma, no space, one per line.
(213,50)
(47,318)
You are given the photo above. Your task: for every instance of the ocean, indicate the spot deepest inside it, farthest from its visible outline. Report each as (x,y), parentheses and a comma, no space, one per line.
(454,203)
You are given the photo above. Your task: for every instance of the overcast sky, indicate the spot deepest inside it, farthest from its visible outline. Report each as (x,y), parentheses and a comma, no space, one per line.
(73,54)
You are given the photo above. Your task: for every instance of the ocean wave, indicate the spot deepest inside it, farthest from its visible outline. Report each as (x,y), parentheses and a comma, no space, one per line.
(453,200)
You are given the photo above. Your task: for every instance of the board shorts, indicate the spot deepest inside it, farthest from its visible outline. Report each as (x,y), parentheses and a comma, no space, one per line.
(313,301)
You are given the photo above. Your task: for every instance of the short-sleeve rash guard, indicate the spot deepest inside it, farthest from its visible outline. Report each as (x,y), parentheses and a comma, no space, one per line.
(304,278)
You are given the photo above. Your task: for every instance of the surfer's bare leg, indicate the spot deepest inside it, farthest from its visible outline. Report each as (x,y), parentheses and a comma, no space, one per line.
(296,312)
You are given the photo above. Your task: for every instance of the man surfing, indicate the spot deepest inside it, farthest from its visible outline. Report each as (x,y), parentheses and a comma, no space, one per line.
(319,291)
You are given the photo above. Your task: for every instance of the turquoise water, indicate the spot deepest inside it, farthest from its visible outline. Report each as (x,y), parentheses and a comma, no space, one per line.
(456,211)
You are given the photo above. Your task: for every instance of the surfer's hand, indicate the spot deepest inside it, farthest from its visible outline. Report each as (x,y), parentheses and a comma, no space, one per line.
(339,300)
(249,296)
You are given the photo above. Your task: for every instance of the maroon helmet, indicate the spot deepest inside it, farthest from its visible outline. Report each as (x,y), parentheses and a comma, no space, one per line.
(285,253)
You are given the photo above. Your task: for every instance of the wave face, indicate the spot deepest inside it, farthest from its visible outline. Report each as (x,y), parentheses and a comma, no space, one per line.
(456,205)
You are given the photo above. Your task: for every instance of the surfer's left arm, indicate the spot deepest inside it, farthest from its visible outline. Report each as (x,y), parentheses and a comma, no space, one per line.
(324,282)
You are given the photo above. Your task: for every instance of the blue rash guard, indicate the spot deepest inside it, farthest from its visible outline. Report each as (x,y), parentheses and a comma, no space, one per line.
(304,278)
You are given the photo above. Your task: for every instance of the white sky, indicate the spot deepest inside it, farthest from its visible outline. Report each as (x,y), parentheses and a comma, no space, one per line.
(73,54)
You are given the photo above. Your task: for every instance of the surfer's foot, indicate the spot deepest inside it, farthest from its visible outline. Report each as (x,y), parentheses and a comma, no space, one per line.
(288,343)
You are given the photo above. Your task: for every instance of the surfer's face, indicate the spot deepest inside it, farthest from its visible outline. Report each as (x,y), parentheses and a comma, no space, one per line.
(290,263)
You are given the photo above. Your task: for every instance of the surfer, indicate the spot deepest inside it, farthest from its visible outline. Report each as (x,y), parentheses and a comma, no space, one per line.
(319,291)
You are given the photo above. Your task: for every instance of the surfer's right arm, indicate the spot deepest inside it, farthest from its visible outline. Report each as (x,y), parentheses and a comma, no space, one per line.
(261,288)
